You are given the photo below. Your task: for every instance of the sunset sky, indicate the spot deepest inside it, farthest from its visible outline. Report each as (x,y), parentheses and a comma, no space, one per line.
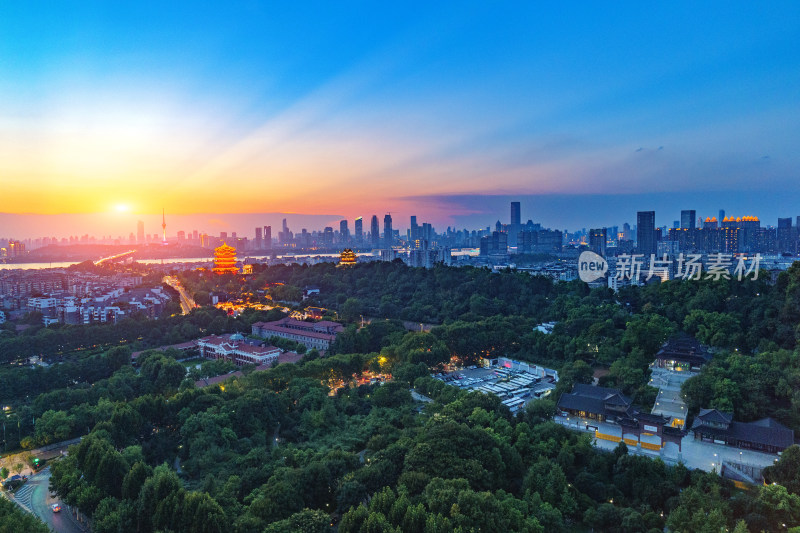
(415,108)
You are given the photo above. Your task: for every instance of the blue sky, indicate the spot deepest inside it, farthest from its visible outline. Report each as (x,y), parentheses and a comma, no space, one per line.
(414,108)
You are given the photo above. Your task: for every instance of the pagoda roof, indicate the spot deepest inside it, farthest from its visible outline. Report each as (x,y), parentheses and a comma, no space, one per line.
(224,248)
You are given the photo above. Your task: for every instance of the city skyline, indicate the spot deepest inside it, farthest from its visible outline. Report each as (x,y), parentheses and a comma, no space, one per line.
(414,111)
(118,225)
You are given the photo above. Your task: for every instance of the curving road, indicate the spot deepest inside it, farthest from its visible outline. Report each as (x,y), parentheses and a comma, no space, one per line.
(35,498)
(187,303)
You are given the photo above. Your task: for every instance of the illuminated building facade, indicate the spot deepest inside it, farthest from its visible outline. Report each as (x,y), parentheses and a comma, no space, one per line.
(347,257)
(225,260)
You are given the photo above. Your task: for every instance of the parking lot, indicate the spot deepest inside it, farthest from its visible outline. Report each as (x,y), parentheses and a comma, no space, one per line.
(515,387)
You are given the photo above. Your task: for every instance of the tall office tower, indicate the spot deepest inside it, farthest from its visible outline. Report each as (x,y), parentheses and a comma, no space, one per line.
(515,213)
(359,229)
(414,231)
(721,215)
(597,240)
(194,236)
(688,218)
(181,236)
(375,232)
(258,244)
(344,232)
(646,232)
(786,236)
(676,224)
(283,236)
(140,231)
(515,224)
(388,234)
(164,225)
(327,235)
(223,235)
(267,237)
(426,233)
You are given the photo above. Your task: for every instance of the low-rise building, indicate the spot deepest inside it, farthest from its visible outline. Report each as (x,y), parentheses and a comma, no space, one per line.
(319,335)
(606,405)
(233,348)
(681,354)
(765,435)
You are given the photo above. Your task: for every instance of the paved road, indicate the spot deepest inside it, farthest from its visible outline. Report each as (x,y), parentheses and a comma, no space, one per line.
(35,498)
(187,303)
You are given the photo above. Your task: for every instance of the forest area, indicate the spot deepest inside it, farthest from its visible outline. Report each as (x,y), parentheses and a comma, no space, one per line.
(275,451)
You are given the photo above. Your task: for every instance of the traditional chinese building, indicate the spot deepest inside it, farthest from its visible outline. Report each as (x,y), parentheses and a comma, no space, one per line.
(225,260)
(682,353)
(347,257)
(765,435)
(616,418)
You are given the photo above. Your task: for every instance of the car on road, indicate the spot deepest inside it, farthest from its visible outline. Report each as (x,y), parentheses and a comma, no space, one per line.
(56,507)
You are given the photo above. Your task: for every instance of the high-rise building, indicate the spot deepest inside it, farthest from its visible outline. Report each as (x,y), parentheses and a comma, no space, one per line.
(721,216)
(359,229)
(344,232)
(646,232)
(388,233)
(258,243)
(494,244)
(285,235)
(627,234)
(267,237)
(688,218)
(375,232)
(597,240)
(787,241)
(515,224)
(164,226)
(327,235)
(140,231)
(515,213)
(16,248)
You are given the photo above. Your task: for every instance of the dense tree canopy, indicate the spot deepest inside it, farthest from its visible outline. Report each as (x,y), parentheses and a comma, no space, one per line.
(301,447)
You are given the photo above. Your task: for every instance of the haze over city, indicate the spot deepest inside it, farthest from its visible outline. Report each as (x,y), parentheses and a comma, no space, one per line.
(585,115)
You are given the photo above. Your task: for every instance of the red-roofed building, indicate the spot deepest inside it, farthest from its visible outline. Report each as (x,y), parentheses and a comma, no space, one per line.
(233,348)
(317,335)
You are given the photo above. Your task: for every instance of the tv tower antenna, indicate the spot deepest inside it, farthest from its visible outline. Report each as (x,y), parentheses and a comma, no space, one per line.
(164,225)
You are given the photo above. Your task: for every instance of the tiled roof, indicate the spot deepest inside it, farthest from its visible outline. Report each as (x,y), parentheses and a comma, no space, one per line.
(267,327)
(715,416)
(766,431)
